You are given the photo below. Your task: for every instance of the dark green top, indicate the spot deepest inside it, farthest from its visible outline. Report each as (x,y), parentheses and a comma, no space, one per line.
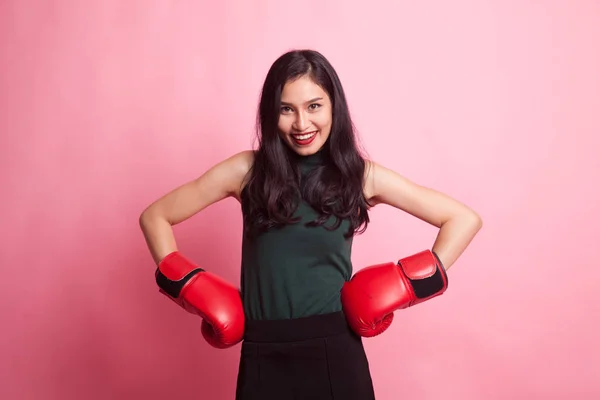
(296,271)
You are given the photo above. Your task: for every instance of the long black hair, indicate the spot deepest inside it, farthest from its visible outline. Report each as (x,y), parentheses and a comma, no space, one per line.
(335,188)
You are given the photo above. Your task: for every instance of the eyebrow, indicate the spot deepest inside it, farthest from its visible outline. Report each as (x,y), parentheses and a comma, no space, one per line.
(309,101)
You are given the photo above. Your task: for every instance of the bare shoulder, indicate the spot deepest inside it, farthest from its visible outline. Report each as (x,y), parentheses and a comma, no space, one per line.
(385,186)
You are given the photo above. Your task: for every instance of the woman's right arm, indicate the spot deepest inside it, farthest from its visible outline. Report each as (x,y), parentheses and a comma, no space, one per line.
(225,179)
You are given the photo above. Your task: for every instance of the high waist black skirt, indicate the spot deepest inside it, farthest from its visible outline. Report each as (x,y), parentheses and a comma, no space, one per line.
(317,358)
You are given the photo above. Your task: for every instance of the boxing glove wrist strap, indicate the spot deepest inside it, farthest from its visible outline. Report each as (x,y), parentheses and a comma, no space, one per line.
(427,278)
(174,272)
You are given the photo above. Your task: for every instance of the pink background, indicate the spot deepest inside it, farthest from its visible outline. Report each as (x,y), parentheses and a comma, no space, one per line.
(106,105)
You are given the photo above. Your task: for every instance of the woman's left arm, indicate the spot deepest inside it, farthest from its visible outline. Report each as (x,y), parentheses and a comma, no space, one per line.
(458,224)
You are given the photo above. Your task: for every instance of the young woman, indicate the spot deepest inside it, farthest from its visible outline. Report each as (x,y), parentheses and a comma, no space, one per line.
(304,192)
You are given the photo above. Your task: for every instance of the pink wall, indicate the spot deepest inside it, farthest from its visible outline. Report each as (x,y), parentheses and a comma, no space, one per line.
(106,105)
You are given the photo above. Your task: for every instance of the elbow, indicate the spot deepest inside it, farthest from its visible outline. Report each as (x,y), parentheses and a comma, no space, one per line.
(152,217)
(143,220)
(476,221)
(469,220)
(146,217)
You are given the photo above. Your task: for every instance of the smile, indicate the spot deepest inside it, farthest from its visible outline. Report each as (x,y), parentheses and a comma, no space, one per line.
(304,136)
(304,139)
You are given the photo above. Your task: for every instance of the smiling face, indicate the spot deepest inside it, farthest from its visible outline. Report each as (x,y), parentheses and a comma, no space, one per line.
(305,116)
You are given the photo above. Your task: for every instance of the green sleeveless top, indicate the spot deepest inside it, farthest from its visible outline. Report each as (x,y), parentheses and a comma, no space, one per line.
(296,271)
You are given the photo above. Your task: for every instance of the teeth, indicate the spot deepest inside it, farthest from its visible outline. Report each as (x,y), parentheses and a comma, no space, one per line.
(304,137)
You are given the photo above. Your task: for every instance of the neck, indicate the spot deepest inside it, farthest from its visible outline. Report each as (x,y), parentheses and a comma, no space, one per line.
(308,162)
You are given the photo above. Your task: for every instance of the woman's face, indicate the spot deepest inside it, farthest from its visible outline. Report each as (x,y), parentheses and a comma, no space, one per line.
(305,116)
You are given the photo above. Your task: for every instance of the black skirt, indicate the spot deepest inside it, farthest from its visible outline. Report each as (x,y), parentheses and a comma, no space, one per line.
(317,357)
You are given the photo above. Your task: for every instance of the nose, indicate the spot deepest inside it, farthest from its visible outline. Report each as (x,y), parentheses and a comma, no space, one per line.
(301,122)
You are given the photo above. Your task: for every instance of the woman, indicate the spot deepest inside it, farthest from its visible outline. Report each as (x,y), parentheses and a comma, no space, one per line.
(305,192)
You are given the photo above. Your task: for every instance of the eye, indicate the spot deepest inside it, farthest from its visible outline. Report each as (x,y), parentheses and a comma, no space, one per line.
(286,109)
(314,106)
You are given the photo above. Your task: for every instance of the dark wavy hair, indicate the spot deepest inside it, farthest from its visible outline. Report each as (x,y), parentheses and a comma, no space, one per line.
(334,189)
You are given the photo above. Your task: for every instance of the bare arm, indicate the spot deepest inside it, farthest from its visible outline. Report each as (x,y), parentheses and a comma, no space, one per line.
(225,179)
(457,222)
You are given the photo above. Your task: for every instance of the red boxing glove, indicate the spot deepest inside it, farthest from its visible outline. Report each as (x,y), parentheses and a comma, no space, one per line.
(370,298)
(200,292)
